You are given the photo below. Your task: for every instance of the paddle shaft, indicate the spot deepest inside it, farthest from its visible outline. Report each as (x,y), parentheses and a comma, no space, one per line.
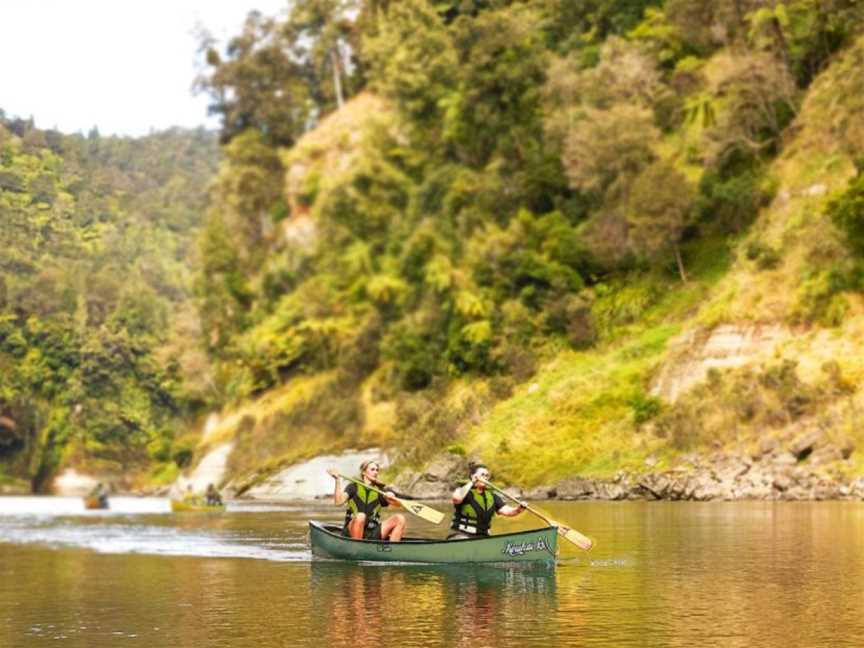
(519,502)
(369,486)
(581,541)
(420,510)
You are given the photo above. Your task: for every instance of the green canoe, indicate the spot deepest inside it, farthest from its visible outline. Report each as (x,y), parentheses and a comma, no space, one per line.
(536,546)
(179,506)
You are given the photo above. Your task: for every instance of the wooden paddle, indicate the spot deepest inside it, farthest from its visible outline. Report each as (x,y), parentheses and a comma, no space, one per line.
(581,541)
(420,510)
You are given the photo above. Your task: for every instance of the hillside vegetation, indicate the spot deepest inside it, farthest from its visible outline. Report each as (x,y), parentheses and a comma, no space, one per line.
(100,366)
(497,245)
(513,229)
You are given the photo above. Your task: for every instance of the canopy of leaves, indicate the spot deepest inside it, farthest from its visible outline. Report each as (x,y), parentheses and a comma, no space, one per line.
(96,242)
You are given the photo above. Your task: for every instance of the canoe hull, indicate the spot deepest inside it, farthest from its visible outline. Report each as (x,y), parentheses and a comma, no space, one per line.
(91,503)
(536,546)
(178,506)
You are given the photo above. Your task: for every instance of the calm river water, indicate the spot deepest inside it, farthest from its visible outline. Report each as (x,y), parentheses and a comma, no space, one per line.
(767,575)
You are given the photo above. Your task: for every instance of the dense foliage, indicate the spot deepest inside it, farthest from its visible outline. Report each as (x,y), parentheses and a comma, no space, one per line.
(414,196)
(95,250)
(532,153)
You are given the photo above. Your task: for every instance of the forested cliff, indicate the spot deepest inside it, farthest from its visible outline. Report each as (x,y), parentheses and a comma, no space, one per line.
(566,237)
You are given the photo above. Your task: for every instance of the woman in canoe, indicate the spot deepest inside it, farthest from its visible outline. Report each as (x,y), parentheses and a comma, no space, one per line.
(363,515)
(475,506)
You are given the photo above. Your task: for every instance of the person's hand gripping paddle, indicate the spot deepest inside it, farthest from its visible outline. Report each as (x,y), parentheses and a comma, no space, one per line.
(420,510)
(581,541)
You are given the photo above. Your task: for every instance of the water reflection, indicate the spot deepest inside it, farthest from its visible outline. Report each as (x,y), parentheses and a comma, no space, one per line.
(677,575)
(457,605)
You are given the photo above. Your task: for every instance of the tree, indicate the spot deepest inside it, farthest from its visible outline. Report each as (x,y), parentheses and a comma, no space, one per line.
(259,84)
(661,201)
(605,149)
(412,61)
(704,26)
(759,100)
(325,40)
(495,111)
(573,25)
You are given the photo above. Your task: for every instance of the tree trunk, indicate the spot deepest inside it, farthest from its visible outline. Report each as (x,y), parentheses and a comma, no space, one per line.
(780,38)
(337,78)
(680,263)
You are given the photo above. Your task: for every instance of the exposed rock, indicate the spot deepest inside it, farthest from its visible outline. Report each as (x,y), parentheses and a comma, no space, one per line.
(656,486)
(309,479)
(613,491)
(784,459)
(436,480)
(574,488)
(541,493)
(804,445)
(826,454)
(71,483)
(782,482)
(767,446)
(723,347)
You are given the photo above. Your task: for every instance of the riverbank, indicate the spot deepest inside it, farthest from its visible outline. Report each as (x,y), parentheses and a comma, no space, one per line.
(808,468)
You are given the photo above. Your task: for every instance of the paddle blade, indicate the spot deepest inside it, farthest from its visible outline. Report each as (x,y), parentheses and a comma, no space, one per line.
(422,511)
(581,541)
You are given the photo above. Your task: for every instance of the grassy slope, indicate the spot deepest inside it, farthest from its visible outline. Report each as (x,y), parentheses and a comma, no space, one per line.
(577,416)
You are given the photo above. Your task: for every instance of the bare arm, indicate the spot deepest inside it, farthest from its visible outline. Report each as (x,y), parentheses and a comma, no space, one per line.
(462,492)
(339,496)
(510,511)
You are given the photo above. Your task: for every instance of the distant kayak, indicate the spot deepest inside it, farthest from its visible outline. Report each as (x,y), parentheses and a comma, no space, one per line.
(180,506)
(94,502)
(537,546)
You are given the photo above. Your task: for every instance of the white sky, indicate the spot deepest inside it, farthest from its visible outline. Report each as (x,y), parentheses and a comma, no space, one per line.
(125,66)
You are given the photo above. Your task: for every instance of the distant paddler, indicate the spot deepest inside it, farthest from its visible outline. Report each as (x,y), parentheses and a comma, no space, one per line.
(213,497)
(97,498)
(192,498)
(366,497)
(475,505)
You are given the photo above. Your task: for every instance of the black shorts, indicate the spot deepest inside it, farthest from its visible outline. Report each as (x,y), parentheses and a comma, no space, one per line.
(372,531)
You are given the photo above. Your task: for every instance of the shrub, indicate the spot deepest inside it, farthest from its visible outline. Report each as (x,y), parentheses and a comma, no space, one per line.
(732,202)
(415,357)
(644,407)
(847,213)
(766,257)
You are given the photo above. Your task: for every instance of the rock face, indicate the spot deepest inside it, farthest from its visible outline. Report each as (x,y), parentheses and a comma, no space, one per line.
(723,347)
(310,479)
(437,480)
(70,483)
(791,473)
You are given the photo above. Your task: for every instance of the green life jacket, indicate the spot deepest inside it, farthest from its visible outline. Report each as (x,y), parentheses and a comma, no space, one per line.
(365,500)
(474,515)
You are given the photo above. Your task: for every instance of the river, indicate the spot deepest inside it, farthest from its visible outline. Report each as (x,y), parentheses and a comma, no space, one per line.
(732,574)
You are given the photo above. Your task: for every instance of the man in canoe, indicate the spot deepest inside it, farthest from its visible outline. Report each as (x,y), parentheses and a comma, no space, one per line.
(212,496)
(99,494)
(191,497)
(363,515)
(475,506)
